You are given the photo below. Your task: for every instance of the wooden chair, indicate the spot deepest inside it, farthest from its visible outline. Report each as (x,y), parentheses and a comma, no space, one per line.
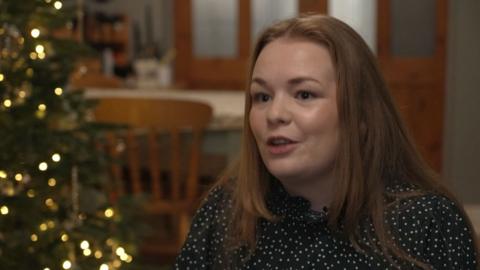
(149,121)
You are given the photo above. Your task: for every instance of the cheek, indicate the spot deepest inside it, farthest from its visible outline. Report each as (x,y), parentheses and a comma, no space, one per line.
(320,120)
(323,144)
(322,126)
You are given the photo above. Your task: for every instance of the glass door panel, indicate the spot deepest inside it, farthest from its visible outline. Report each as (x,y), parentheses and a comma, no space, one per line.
(265,12)
(361,15)
(413,28)
(215,26)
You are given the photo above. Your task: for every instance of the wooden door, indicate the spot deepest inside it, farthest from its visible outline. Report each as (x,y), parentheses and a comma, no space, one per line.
(219,72)
(414,67)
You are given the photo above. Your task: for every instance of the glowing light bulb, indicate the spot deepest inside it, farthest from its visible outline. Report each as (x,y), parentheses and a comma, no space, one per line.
(43,166)
(42,107)
(34,238)
(3,174)
(52,182)
(39,48)
(22,94)
(35,33)
(2,77)
(67,264)
(18,177)
(64,237)
(49,202)
(110,242)
(129,259)
(58,91)
(120,251)
(51,224)
(104,267)
(98,254)
(7,103)
(109,212)
(46,268)
(31,193)
(84,244)
(56,157)
(33,55)
(87,252)
(57,4)
(4,210)
(43,227)
(124,257)
(41,55)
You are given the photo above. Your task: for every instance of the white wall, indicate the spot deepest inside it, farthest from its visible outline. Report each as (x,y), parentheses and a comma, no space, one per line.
(462,123)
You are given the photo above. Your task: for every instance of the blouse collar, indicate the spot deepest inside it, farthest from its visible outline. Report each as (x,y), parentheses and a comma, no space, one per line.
(282,204)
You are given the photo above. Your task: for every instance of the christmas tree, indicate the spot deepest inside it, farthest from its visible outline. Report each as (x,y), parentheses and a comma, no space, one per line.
(54,210)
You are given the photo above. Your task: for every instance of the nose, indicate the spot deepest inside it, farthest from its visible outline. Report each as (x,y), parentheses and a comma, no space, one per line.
(278,111)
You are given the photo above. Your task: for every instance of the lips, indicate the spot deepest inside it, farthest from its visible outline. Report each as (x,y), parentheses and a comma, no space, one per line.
(279,145)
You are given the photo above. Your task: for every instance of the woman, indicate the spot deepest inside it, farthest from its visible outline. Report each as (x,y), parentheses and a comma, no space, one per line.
(328,177)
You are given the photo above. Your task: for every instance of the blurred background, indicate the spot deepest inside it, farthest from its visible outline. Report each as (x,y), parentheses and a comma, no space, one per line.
(428,50)
(151,63)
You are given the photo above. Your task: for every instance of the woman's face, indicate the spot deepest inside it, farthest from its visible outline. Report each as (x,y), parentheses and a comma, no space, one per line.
(294,115)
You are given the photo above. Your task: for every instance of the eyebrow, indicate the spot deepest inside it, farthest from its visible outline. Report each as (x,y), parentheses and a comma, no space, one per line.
(293,81)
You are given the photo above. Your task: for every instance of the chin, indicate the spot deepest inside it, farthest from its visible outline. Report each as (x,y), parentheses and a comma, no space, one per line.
(285,174)
(282,167)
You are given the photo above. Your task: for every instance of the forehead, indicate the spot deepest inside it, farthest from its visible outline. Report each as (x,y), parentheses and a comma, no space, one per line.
(287,57)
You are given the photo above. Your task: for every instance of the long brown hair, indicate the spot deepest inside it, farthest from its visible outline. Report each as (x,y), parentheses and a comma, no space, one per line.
(374,145)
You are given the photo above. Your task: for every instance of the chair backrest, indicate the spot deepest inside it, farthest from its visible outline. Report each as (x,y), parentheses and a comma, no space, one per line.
(154,117)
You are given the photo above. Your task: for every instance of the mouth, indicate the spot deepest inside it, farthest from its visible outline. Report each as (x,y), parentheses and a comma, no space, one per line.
(279,145)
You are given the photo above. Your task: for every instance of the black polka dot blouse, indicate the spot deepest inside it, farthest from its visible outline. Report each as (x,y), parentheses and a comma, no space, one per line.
(429,227)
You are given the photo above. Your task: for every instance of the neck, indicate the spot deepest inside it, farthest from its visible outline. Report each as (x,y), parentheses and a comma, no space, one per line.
(318,192)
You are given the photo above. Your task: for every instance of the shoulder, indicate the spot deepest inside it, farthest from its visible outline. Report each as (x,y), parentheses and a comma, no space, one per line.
(428,207)
(434,228)
(418,206)
(216,195)
(206,233)
(213,207)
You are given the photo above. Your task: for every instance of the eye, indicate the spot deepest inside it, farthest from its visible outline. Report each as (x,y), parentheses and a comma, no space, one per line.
(303,94)
(260,97)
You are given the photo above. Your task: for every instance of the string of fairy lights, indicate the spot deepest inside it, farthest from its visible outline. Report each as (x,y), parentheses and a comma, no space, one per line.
(12,183)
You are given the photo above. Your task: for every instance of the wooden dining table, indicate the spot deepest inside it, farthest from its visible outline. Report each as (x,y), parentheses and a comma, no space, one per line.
(228,105)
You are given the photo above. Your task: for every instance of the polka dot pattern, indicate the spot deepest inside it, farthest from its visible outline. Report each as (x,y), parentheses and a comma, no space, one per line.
(429,227)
